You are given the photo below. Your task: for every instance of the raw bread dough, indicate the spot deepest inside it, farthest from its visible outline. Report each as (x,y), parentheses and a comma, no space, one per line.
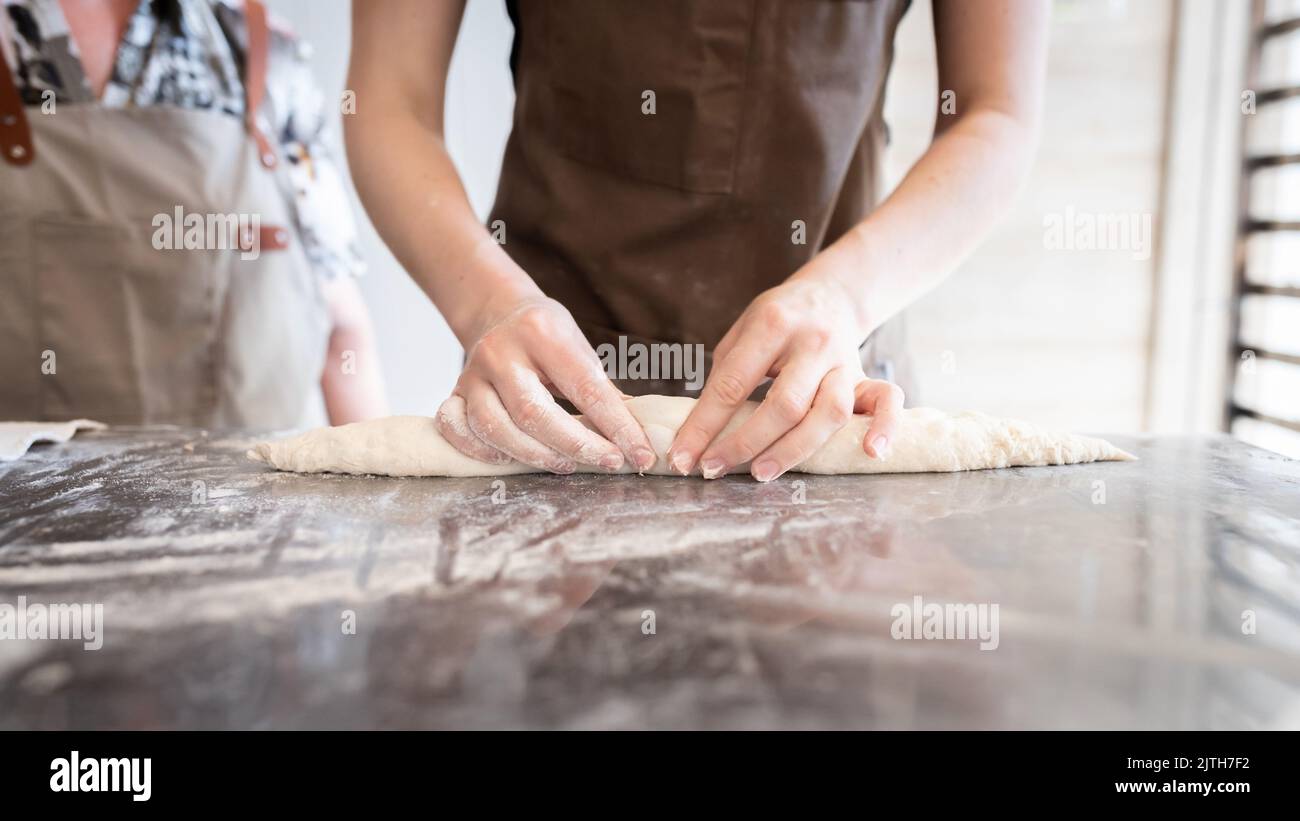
(17,437)
(927,440)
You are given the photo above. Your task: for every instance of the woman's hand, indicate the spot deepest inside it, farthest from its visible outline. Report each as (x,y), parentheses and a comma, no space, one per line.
(502,406)
(519,343)
(805,333)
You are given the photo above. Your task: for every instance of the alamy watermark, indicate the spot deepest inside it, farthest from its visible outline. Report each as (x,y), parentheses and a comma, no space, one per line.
(655,360)
(77,774)
(53,622)
(1084,231)
(193,231)
(923,620)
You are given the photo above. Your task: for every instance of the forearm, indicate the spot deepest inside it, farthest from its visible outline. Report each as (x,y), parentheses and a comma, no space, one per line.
(401,53)
(352,395)
(938,214)
(411,191)
(352,380)
(992,59)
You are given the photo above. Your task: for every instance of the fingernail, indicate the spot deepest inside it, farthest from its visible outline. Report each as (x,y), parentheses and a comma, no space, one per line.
(612,461)
(644,458)
(681,462)
(881,446)
(713,468)
(766,470)
(565,467)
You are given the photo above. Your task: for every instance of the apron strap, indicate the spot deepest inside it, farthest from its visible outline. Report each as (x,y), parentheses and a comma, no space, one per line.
(255,57)
(15,131)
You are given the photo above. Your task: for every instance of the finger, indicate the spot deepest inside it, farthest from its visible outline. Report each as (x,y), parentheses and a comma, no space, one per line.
(831,410)
(785,406)
(730,383)
(454,427)
(490,421)
(884,401)
(537,414)
(582,382)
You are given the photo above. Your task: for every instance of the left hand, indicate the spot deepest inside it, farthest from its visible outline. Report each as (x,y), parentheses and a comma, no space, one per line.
(805,334)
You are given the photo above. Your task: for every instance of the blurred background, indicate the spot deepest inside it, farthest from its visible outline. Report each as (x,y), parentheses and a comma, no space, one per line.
(1147,280)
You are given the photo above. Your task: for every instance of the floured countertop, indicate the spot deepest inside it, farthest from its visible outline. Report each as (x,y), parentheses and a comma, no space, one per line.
(235,596)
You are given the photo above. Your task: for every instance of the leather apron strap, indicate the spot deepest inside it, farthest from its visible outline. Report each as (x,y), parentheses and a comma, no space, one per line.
(16,133)
(259,38)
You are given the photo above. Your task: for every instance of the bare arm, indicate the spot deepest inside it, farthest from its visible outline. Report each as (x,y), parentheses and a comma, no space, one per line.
(805,332)
(520,345)
(352,382)
(992,54)
(401,51)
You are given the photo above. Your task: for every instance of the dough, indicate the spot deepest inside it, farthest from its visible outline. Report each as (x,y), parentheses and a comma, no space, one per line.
(927,440)
(17,437)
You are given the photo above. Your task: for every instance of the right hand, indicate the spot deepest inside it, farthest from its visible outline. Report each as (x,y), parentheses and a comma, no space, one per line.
(502,407)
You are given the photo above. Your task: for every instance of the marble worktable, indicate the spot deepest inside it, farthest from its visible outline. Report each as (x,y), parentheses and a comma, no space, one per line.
(1163,593)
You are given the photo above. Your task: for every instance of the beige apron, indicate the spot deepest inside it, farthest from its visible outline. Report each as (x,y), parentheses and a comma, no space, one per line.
(95,321)
(663,155)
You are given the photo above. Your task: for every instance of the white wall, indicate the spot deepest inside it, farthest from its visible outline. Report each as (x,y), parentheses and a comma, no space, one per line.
(1058,337)
(421,357)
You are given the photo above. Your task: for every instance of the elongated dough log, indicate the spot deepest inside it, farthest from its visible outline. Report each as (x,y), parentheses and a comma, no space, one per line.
(927,441)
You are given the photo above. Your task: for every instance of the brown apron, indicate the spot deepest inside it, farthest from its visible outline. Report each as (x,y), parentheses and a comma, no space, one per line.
(96,322)
(663,226)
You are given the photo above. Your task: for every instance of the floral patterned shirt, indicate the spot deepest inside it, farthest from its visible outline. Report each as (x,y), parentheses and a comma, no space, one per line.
(188,53)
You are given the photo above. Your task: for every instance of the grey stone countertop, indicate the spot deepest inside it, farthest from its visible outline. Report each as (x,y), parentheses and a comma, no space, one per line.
(1163,593)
